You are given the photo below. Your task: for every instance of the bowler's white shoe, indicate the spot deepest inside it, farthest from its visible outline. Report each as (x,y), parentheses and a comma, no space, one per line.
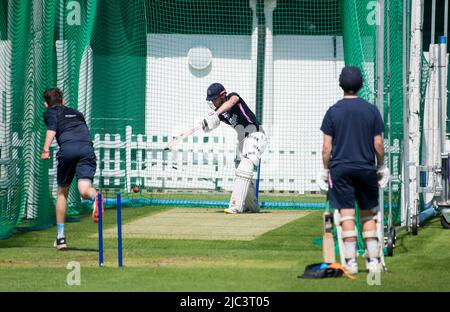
(60,243)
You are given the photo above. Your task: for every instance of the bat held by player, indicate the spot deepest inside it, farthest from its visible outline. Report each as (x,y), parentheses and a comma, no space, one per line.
(182,135)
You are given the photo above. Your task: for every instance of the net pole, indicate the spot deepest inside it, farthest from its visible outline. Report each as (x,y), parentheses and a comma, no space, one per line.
(257,181)
(388,91)
(442,83)
(446,18)
(261,22)
(119,230)
(441,118)
(61,19)
(445,91)
(414,105)
(100,229)
(405,153)
(380,77)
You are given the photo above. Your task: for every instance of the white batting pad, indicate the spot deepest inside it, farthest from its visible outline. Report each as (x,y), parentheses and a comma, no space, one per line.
(244,176)
(254,146)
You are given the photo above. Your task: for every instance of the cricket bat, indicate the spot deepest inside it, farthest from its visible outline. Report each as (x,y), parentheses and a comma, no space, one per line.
(182,135)
(328,239)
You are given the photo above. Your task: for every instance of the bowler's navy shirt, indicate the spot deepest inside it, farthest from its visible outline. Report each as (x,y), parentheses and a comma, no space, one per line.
(353,124)
(239,114)
(68,123)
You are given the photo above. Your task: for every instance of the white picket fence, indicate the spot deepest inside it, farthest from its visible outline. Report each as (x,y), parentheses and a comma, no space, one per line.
(199,162)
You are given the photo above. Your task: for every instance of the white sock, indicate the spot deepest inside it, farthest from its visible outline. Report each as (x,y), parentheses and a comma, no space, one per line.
(350,250)
(372,249)
(60,229)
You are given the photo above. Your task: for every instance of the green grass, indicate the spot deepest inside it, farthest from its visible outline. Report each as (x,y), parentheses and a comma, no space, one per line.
(272,262)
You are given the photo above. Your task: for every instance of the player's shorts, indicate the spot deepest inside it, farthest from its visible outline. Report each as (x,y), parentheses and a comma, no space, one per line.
(75,159)
(348,185)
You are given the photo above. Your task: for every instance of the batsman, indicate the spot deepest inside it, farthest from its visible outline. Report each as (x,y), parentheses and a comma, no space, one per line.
(353,170)
(232,110)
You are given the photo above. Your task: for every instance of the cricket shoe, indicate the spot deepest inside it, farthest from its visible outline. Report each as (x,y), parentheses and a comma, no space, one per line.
(374,266)
(351,266)
(95,209)
(231,211)
(60,243)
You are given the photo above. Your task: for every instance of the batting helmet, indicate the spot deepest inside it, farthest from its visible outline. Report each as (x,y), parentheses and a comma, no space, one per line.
(351,79)
(214,91)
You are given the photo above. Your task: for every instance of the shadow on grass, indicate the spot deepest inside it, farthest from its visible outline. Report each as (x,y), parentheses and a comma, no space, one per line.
(81,249)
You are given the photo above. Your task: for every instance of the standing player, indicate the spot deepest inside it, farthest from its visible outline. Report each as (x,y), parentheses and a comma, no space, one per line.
(75,156)
(232,110)
(352,140)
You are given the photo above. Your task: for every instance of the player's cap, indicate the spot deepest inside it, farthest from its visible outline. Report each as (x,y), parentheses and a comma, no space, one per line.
(214,91)
(351,79)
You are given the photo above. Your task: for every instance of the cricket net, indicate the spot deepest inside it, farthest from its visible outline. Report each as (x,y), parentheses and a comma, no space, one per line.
(138,70)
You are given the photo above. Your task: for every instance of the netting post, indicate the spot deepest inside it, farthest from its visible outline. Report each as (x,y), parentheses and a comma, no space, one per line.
(442,83)
(388,115)
(128,132)
(380,78)
(119,230)
(442,90)
(100,229)
(257,181)
(260,61)
(268,102)
(413,135)
(405,153)
(445,18)
(445,91)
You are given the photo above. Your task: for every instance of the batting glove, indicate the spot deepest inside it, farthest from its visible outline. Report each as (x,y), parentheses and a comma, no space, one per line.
(211,122)
(322,179)
(383,176)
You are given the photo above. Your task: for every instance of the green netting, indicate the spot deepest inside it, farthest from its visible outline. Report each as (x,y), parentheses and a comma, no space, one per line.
(394,91)
(95,51)
(119,67)
(72,39)
(138,71)
(360,17)
(28,57)
(359,29)
(303,17)
(199,17)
